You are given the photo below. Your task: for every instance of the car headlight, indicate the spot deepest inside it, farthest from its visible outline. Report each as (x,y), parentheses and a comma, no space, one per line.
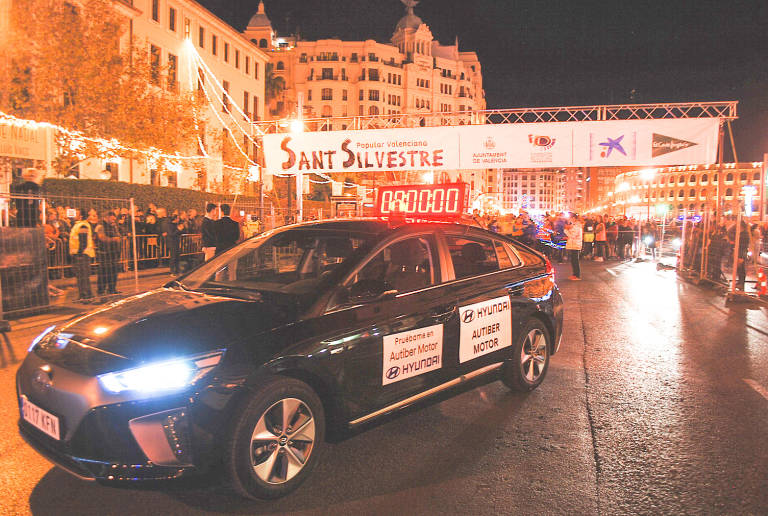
(40,337)
(170,375)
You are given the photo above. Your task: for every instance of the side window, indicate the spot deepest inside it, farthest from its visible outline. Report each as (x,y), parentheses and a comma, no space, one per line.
(403,266)
(512,255)
(471,256)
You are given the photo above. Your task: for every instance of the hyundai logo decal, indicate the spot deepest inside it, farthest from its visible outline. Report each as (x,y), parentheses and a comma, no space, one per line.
(393,372)
(468,316)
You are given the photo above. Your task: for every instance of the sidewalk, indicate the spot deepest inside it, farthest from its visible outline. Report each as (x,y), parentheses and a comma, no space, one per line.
(65,305)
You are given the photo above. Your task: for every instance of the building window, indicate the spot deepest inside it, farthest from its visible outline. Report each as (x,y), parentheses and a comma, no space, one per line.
(343,94)
(247,65)
(214,44)
(154,63)
(187,28)
(728,192)
(237,58)
(255,107)
(225,97)
(309,94)
(327,94)
(173,72)
(226,52)
(255,69)
(280,65)
(172,19)
(262,43)
(373,95)
(373,74)
(326,112)
(362,93)
(246,101)
(327,73)
(729,177)
(373,110)
(156,10)
(201,37)
(743,177)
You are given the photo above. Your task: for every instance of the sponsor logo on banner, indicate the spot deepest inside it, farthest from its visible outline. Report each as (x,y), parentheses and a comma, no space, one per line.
(490,157)
(411,353)
(665,144)
(485,327)
(542,146)
(621,146)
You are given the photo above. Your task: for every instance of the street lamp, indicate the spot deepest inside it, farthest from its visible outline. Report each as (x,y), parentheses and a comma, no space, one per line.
(647,175)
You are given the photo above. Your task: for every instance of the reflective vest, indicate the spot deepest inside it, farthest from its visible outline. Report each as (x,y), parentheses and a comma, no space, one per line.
(74,239)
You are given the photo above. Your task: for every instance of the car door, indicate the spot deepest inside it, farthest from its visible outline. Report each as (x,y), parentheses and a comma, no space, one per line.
(388,329)
(488,288)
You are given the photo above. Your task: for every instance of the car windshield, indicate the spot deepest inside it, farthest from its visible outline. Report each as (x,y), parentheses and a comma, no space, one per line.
(292,262)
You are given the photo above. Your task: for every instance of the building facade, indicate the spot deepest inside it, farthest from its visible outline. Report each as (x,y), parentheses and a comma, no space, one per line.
(693,188)
(534,190)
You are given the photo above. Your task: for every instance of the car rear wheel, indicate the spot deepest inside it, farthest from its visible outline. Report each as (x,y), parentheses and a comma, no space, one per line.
(276,439)
(530,358)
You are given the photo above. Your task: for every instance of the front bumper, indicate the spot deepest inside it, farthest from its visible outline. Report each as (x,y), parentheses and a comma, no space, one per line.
(124,440)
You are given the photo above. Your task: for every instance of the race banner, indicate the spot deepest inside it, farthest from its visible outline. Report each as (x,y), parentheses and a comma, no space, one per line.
(639,143)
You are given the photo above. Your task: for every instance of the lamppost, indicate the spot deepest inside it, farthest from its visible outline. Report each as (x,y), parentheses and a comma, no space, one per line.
(647,175)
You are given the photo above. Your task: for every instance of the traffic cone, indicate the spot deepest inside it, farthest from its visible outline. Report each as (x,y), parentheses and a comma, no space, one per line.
(762,282)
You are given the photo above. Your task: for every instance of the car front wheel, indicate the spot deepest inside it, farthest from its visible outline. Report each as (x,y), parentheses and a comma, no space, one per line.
(527,367)
(276,439)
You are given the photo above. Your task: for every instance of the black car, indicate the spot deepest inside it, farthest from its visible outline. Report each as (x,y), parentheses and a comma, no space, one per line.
(247,363)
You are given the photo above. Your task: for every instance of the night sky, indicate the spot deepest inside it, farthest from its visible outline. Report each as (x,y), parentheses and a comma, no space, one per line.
(573,52)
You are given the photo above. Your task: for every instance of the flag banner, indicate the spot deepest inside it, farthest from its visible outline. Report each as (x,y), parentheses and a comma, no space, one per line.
(639,143)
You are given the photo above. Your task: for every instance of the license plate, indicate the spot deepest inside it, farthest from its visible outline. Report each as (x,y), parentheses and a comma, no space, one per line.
(39,418)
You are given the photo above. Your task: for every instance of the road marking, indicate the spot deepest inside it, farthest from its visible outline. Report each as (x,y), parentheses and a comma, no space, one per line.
(758,388)
(609,271)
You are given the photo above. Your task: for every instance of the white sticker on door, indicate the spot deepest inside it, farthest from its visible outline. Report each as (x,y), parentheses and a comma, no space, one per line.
(411,353)
(485,327)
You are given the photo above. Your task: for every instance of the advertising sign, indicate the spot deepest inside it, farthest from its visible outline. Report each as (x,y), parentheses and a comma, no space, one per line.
(22,141)
(472,147)
(411,353)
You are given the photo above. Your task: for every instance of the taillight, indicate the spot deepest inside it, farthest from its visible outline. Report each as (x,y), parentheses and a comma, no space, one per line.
(550,270)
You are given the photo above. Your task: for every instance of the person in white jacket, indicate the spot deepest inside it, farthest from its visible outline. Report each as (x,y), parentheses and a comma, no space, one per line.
(574,232)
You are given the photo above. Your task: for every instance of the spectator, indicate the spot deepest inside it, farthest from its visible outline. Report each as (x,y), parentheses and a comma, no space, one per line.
(208,230)
(108,253)
(601,240)
(28,215)
(227,230)
(574,232)
(82,248)
(169,230)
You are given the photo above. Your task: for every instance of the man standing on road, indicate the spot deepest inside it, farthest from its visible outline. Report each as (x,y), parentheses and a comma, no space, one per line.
(108,253)
(82,249)
(208,230)
(574,232)
(227,230)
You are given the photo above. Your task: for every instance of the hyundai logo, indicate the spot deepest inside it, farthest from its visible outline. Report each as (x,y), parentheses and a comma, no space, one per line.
(42,379)
(393,372)
(468,316)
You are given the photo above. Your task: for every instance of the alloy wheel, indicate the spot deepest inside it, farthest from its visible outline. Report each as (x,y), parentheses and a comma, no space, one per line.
(533,355)
(282,441)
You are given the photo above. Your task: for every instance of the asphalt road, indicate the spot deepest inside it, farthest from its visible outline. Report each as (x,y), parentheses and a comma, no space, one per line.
(656,403)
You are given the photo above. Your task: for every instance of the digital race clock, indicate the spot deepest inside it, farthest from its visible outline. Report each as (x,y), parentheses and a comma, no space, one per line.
(445,201)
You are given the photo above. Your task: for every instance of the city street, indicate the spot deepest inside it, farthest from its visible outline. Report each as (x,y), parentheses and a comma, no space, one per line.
(656,403)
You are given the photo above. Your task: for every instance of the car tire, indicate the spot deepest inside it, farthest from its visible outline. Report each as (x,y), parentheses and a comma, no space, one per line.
(529,363)
(276,439)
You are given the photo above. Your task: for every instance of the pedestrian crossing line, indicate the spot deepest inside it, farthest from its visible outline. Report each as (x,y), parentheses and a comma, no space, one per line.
(609,271)
(757,387)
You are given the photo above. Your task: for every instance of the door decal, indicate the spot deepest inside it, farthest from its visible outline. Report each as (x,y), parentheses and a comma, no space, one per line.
(485,327)
(411,353)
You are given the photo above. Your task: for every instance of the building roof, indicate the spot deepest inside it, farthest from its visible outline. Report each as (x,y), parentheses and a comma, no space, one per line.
(260,18)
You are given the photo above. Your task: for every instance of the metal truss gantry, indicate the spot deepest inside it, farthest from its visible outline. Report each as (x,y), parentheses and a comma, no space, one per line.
(723,110)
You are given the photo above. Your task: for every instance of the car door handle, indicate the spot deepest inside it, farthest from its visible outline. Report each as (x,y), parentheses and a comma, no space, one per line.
(443,313)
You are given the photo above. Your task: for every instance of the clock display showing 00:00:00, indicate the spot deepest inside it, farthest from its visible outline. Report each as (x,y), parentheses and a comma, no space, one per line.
(437,201)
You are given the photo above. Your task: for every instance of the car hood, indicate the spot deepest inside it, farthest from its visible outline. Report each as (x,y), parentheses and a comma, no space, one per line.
(157,325)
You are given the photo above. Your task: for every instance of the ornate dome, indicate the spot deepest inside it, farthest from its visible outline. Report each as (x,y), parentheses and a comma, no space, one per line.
(409,21)
(260,18)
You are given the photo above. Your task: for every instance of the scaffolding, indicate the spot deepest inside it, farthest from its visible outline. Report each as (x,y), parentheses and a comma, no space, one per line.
(726,111)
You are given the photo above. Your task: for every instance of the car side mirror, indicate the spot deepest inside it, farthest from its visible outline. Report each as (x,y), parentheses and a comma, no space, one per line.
(367,290)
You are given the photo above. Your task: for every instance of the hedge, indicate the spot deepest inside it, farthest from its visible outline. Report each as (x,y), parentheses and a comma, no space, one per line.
(170,198)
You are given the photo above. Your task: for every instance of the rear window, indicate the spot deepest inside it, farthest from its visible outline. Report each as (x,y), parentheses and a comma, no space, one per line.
(507,258)
(472,256)
(528,257)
